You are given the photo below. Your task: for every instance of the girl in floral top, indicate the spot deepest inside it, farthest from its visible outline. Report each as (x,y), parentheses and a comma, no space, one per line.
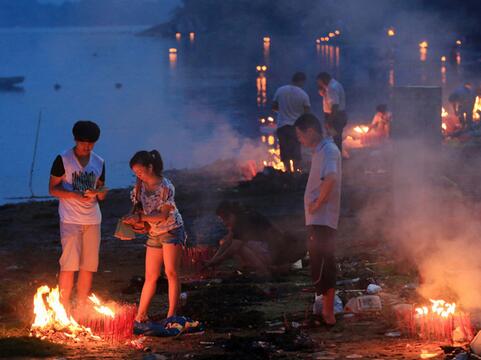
(165,231)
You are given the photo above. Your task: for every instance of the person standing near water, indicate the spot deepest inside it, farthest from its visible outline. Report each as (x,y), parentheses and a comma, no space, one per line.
(290,102)
(322,204)
(77,180)
(154,195)
(334,106)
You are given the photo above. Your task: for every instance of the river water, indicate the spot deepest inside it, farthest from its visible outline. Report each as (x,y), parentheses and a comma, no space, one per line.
(202,104)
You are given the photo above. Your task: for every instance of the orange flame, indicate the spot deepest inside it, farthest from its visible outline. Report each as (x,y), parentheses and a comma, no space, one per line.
(361,129)
(50,314)
(438,307)
(444,113)
(102,309)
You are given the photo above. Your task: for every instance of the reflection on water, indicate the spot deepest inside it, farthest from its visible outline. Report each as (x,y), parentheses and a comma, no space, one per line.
(172,60)
(391,78)
(163,110)
(192,37)
(261,85)
(443,74)
(423,54)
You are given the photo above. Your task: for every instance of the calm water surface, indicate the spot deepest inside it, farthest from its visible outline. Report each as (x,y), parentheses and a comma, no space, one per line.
(195,107)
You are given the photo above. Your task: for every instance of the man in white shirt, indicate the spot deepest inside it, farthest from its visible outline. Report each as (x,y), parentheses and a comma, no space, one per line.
(322,204)
(290,102)
(77,178)
(334,106)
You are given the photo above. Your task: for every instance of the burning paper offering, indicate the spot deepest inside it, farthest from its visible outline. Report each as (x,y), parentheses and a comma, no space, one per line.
(97,322)
(440,320)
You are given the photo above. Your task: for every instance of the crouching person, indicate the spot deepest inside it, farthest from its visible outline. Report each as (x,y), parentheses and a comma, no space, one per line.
(77,179)
(253,241)
(322,202)
(165,232)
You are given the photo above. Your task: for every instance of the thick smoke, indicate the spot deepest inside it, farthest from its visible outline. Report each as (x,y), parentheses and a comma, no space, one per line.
(430,222)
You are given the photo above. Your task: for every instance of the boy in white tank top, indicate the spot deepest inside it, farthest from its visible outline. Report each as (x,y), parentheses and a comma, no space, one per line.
(77,179)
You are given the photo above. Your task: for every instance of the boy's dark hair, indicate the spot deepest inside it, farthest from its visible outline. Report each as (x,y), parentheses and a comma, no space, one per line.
(85,130)
(308,121)
(382,108)
(298,77)
(324,77)
(146,158)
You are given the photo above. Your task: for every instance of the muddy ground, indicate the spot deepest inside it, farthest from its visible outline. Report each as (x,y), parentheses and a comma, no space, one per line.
(245,317)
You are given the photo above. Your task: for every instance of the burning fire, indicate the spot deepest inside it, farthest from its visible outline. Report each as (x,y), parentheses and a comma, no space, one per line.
(444,113)
(51,316)
(102,309)
(441,321)
(439,307)
(361,129)
(53,322)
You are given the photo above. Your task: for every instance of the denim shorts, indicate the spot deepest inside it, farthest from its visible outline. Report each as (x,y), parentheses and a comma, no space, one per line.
(175,236)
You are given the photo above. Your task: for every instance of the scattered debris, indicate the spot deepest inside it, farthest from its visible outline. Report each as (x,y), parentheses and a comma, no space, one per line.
(373,289)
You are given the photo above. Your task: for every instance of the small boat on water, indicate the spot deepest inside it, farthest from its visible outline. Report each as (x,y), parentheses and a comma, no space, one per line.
(10,82)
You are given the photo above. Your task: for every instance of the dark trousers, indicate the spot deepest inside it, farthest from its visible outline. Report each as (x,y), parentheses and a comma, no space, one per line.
(289,145)
(321,245)
(337,122)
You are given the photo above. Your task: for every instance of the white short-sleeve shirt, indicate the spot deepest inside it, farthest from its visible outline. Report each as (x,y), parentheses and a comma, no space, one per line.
(326,159)
(292,100)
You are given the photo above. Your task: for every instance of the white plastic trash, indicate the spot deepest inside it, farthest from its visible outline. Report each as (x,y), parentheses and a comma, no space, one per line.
(366,303)
(297,265)
(373,289)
